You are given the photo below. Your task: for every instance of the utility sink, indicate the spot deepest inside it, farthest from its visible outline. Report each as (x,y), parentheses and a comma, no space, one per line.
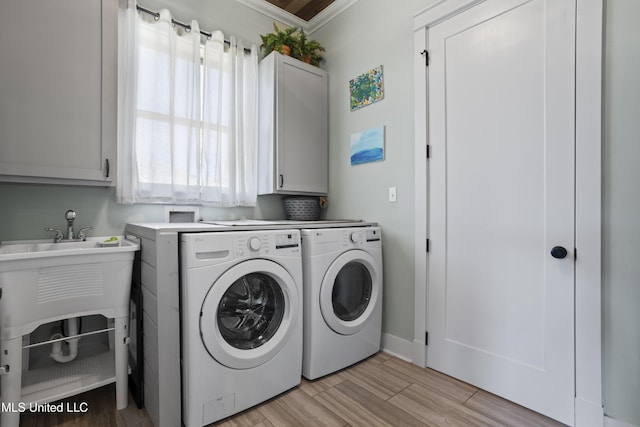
(42,281)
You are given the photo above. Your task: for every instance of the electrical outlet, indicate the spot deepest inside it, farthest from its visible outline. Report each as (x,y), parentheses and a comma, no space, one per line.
(392,195)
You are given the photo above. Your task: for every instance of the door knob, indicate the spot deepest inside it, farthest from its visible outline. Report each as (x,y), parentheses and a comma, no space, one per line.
(558,252)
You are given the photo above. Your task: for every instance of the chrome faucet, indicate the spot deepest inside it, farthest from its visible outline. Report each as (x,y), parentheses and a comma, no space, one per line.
(59,236)
(70,216)
(81,233)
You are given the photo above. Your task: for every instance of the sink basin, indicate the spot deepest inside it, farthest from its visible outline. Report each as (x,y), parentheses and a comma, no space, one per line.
(43,248)
(42,281)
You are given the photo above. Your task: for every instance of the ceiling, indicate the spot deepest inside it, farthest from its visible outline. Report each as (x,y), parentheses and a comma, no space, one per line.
(303,9)
(306,14)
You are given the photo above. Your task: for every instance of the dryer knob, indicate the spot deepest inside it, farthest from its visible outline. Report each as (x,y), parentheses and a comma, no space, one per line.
(356,237)
(254,244)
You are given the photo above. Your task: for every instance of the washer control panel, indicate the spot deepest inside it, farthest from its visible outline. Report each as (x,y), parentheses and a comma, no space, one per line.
(254,244)
(287,240)
(261,244)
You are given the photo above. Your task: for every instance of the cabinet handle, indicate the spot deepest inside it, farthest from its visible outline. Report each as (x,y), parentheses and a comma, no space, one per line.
(106,168)
(281,180)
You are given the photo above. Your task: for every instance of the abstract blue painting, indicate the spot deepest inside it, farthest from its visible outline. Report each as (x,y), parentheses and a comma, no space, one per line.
(367,146)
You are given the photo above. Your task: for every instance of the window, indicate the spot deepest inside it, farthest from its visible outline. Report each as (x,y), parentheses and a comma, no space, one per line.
(191,134)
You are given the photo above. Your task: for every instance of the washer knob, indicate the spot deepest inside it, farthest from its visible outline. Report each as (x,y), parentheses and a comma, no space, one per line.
(356,237)
(254,244)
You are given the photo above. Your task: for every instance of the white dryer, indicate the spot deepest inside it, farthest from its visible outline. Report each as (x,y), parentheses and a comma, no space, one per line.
(241,321)
(342,269)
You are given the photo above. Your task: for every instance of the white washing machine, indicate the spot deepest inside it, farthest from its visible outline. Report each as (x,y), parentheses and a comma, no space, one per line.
(241,321)
(342,269)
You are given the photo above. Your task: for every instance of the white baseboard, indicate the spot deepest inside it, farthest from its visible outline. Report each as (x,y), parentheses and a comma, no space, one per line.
(611,422)
(419,353)
(588,414)
(398,347)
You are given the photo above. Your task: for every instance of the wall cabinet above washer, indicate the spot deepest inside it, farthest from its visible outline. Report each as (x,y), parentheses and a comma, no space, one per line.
(58,86)
(294,140)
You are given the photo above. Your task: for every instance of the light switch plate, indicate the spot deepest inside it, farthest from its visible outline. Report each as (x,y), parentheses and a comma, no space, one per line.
(392,195)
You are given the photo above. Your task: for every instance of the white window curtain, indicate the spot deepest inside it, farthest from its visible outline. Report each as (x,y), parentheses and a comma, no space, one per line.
(188,125)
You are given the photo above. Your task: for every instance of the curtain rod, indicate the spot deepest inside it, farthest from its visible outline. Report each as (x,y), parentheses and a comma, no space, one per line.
(187,27)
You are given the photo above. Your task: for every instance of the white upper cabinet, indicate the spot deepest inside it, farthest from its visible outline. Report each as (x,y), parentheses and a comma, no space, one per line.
(294,142)
(58,86)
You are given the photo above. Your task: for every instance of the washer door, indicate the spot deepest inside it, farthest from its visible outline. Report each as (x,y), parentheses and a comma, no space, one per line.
(249,314)
(349,292)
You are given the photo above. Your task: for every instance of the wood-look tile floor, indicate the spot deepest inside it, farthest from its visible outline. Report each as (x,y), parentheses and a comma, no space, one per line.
(380,391)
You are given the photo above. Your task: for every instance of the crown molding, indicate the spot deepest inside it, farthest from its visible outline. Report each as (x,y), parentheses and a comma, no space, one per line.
(266,8)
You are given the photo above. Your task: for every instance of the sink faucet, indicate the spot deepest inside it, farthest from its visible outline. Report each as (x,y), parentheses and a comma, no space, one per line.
(59,235)
(70,216)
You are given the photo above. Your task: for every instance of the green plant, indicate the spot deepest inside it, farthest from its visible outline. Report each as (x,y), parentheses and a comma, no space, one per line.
(297,47)
(312,50)
(277,39)
(301,48)
(307,50)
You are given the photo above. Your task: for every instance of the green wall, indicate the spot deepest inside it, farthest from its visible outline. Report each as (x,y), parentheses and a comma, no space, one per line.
(621,212)
(27,209)
(368,34)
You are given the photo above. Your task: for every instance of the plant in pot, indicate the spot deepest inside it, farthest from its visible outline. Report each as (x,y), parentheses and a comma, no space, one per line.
(309,51)
(283,41)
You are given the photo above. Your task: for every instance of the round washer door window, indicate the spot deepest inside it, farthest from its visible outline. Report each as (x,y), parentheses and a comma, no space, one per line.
(249,313)
(349,292)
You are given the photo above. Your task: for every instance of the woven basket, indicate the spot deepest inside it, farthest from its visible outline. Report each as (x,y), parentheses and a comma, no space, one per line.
(302,208)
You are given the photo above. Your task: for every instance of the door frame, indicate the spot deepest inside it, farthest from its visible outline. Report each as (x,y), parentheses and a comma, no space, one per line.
(588,193)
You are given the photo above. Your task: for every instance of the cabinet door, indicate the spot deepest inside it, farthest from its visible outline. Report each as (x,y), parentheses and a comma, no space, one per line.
(302,131)
(58,86)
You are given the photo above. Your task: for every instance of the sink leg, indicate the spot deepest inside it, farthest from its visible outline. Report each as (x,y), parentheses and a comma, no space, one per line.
(122,361)
(11,382)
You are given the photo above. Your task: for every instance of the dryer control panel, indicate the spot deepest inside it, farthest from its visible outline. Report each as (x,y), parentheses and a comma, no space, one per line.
(373,234)
(360,236)
(334,240)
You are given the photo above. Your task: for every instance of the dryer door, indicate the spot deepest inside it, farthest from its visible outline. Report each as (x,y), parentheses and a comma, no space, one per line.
(349,292)
(249,313)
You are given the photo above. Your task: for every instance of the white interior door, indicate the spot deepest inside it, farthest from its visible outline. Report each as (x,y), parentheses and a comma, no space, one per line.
(501,127)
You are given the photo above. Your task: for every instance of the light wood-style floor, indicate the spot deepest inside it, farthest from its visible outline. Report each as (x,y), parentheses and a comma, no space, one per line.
(380,391)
